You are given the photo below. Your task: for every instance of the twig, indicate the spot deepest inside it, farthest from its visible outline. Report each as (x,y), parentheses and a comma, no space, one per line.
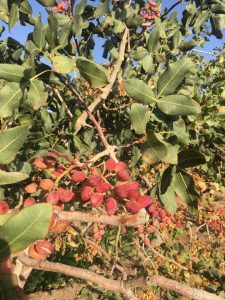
(107,256)
(147,256)
(59,97)
(171,8)
(68,158)
(92,118)
(167,258)
(106,90)
(66,172)
(117,286)
(106,152)
(117,249)
(127,220)
(205,52)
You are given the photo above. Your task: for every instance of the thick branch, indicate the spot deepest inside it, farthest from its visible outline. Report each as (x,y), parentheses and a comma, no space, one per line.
(123,287)
(108,284)
(106,90)
(128,220)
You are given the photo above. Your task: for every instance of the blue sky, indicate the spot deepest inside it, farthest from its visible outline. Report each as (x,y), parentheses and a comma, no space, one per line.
(20,32)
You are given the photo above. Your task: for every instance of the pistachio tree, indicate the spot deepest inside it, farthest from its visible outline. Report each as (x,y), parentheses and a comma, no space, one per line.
(78,139)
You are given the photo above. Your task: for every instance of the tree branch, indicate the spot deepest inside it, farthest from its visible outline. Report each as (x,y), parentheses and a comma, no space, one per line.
(117,286)
(106,90)
(127,220)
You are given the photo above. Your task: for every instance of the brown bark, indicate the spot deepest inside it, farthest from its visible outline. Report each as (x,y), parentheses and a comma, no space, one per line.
(128,220)
(106,90)
(123,287)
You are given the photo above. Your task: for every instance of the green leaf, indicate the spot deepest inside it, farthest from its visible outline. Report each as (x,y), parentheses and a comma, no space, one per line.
(190,158)
(5,217)
(24,228)
(134,21)
(25,7)
(139,118)
(47,2)
(36,96)
(148,64)
(153,44)
(160,27)
(139,91)
(119,26)
(78,144)
(178,105)
(51,31)
(177,39)
(46,121)
(94,73)
(64,34)
(200,21)
(173,76)
(13,15)
(12,72)
(102,9)
(10,96)
(179,129)
(11,141)
(135,155)
(39,34)
(184,187)
(80,8)
(166,178)
(139,53)
(4,6)
(187,46)
(156,149)
(218,8)
(217,23)
(78,25)
(11,177)
(63,64)
(169,200)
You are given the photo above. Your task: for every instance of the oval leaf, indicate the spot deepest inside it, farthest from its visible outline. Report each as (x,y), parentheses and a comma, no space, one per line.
(200,21)
(62,64)
(153,44)
(156,149)
(190,158)
(94,73)
(39,34)
(13,15)
(184,187)
(139,118)
(36,96)
(169,200)
(139,91)
(173,76)
(178,105)
(11,72)
(10,96)
(24,228)
(102,9)
(11,177)
(10,142)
